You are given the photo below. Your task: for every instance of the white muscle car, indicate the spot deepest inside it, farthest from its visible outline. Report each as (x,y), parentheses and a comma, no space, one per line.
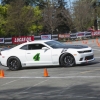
(45,53)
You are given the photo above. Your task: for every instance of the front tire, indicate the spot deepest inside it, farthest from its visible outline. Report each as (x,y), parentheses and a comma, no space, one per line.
(14,63)
(67,60)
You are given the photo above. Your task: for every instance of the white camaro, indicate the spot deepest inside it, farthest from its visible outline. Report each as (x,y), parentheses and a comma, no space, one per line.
(45,53)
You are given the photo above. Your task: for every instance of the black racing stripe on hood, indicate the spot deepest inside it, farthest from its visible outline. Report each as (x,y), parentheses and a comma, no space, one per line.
(76,46)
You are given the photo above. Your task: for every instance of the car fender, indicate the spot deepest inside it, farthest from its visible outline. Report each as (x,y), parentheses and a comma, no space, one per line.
(13,57)
(67,53)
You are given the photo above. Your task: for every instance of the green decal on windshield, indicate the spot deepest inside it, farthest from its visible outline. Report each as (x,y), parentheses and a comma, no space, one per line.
(37,57)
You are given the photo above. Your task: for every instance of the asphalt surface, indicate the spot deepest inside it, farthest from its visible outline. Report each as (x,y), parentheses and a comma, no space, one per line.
(81,82)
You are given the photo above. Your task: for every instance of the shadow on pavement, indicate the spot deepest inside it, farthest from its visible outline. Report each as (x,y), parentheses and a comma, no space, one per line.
(76,92)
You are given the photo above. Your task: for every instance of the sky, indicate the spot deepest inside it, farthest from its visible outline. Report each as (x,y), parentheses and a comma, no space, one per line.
(69,2)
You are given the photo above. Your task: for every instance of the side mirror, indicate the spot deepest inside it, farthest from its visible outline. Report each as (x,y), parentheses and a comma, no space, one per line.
(45,48)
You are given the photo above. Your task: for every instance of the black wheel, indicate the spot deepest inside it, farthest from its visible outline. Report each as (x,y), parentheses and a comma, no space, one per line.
(14,63)
(67,60)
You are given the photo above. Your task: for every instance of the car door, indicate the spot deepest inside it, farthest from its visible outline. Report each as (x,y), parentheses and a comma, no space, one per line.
(35,55)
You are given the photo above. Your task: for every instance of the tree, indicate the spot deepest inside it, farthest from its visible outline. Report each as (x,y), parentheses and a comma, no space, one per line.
(96,7)
(65,20)
(36,26)
(6,1)
(3,15)
(82,15)
(20,18)
(64,16)
(50,19)
(56,17)
(27,2)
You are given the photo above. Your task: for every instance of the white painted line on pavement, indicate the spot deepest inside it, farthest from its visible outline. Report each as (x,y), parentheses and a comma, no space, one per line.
(9,82)
(33,86)
(54,77)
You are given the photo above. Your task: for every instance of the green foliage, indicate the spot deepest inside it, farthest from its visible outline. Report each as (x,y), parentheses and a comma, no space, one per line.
(36,26)
(18,19)
(37,12)
(3,15)
(21,19)
(83,15)
(24,17)
(3,10)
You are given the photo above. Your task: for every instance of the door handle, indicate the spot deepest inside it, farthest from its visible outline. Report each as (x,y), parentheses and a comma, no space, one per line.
(28,53)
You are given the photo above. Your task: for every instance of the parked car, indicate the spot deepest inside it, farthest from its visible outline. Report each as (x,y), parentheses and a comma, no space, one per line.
(45,53)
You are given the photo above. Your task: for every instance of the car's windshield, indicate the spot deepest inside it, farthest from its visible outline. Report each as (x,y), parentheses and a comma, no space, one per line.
(55,44)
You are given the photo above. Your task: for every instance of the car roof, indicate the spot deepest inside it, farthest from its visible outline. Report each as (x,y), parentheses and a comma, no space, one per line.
(38,41)
(35,41)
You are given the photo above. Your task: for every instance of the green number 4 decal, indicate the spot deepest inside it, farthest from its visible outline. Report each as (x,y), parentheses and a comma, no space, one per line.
(37,57)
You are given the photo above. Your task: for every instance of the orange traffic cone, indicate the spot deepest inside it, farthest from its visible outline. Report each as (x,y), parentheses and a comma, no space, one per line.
(85,42)
(98,44)
(1,73)
(45,73)
(93,41)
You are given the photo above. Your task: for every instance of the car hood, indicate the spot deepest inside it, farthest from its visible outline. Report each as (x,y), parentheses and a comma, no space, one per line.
(76,46)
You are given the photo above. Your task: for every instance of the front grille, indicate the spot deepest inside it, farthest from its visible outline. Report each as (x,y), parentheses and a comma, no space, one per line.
(89,57)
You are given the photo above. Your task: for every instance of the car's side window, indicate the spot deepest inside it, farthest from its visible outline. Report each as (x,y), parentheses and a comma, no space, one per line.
(25,47)
(35,46)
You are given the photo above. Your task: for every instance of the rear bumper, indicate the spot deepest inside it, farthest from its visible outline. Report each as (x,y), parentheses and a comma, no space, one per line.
(2,64)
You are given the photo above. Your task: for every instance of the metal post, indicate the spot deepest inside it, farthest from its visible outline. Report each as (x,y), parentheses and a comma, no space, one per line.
(97,23)
(97,4)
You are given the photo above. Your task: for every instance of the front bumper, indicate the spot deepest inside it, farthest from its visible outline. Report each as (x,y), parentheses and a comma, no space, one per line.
(84,58)
(85,61)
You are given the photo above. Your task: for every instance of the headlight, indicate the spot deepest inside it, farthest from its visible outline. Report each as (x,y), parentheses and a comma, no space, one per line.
(86,51)
(80,51)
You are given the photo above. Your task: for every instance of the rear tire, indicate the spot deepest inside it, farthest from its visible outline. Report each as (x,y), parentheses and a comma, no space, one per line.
(14,63)
(67,60)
